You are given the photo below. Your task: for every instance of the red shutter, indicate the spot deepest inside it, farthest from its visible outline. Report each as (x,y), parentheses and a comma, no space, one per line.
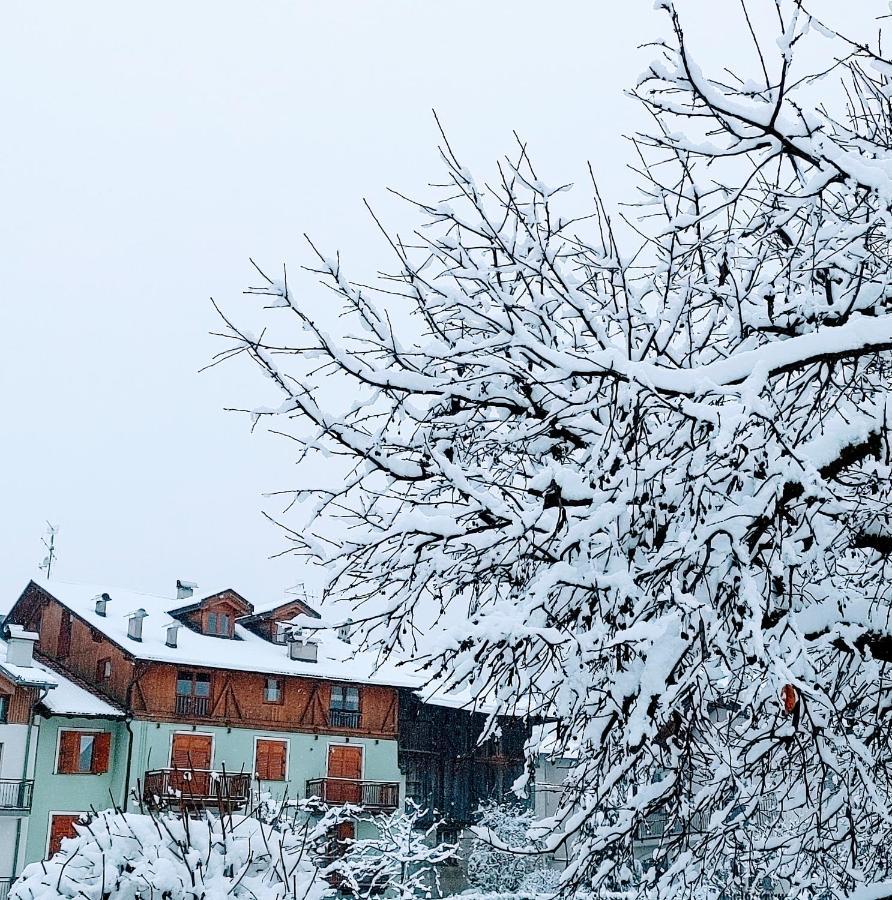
(69,745)
(61,827)
(101,751)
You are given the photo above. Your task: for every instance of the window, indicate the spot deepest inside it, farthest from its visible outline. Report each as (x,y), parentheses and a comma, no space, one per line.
(271,759)
(344,709)
(83,752)
(273,691)
(103,672)
(218,624)
(4,707)
(61,827)
(345,698)
(193,693)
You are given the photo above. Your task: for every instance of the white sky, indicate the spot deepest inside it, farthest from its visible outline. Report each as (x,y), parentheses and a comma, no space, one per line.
(149,149)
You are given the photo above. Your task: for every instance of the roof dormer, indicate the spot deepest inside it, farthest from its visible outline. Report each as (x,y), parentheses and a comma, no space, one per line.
(215,615)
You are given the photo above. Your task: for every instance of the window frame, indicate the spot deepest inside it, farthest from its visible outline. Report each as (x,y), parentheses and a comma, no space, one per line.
(55,813)
(194,676)
(274,740)
(97,736)
(102,664)
(5,704)
(343,689)
(280,682)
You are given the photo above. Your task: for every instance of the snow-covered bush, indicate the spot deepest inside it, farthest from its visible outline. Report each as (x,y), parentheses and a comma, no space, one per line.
(401,859)
(493,869)
(122,856)
(638,480)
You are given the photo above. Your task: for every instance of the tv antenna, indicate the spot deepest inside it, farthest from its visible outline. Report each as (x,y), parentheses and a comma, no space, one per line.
(50,543)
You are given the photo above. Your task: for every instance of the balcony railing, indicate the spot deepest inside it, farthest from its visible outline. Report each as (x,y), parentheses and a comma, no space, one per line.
(5,885)
(342,718)
(187,705)
(15,796)
(368,794)
(196,788)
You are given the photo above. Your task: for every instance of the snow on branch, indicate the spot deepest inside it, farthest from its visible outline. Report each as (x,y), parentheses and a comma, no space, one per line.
(636,478)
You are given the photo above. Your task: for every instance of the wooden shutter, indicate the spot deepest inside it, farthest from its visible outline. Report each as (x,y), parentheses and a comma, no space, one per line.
(344,761)
(69,748)
(270,764)
(101,752)
(61,827)
(191,751)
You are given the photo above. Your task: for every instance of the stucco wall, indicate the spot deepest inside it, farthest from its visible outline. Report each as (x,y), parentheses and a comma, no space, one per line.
(234,749)
(71,793)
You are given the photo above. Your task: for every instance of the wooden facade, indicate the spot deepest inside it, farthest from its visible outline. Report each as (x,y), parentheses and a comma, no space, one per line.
(148,689)
(447,770)
(19,702)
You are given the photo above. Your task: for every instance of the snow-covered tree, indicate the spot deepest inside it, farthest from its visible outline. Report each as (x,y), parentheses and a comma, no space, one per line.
(122,856)
(491,868)
(642,482)
(400,861)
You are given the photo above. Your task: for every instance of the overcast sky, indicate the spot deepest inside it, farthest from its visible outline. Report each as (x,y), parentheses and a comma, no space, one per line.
(149,149)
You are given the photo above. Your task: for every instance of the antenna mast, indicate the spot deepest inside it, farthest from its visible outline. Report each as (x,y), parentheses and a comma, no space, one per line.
(50,543)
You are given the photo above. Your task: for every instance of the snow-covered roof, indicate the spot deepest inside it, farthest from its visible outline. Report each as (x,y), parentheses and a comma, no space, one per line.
(27,676)
(249,653)
(70,699)
(63,696)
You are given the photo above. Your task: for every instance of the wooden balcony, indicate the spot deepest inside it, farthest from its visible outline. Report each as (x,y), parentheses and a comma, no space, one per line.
(192,707)
(371,795)
(344,718)
(15,796)
(196,788)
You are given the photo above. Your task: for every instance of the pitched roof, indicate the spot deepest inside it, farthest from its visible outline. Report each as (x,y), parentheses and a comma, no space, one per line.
(63,696)
(247,653)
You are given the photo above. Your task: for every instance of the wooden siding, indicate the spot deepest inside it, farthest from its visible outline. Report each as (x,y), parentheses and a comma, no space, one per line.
(21,702)
(88,646)
(148,688)
(237,699)
(445,766)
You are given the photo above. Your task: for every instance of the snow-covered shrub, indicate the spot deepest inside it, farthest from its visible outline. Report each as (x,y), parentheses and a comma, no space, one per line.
(400,860)
(491,868)
(122,856)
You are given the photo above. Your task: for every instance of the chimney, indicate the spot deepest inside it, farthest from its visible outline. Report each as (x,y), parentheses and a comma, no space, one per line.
(20,651)
(101,604)
(172,630)
(344,631)
(185,589)
(303,651)
(134,624)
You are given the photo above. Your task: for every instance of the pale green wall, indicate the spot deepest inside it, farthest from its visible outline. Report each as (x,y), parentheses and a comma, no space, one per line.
(233,747)
(71,793)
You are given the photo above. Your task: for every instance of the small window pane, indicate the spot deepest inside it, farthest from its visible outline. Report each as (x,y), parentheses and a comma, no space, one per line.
(212,623)
(223,624)
(4,707)
(272,692)
(184,684)
(202,685)
(85,753)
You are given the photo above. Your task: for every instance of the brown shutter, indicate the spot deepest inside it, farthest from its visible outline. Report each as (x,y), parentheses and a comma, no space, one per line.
(262,762)
(277,760)
(61,827)
(271,760)
(69,744)
(101,751)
